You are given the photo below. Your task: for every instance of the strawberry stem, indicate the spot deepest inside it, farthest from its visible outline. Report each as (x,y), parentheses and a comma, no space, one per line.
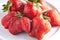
(45,15)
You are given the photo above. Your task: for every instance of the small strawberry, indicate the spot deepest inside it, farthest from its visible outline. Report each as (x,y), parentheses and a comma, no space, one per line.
(40,27)
(14,5)
(17,6)
(30,10)
(54,17)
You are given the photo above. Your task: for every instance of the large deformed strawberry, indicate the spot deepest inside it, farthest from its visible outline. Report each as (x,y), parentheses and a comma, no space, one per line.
(40,27)
(31,10)
(16,22)
(54,17)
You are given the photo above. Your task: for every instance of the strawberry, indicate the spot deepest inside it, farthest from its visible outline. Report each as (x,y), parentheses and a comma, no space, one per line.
(40,27)
(19,24)
(30,10)
(6,19)
(14,27)
(54,17)
(14,0)
(17,6)
(25,24)
(14,5)
(15,22)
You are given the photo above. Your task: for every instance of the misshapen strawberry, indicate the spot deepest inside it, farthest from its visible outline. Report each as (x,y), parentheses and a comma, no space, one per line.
(40,27)
(30,10)
(54,17)
(19,24)
(6,19)
(16,22)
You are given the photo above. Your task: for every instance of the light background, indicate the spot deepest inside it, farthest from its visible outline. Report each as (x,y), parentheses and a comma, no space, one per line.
(55,3)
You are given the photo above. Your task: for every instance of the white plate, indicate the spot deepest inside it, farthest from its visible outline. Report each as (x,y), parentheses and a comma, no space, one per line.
(5,35)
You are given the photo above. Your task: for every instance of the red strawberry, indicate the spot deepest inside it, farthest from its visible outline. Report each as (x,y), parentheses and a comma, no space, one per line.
(25,24)
(17,5)
(19,24)
(31,11)
(40,27)
(15,26)
(15,22)
(6,19)
(14,1)
(54,17)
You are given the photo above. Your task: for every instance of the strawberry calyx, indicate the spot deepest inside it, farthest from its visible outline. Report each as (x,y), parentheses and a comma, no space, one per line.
(36,1)
(45,16)
(37,4)
(7,6)
(19,14)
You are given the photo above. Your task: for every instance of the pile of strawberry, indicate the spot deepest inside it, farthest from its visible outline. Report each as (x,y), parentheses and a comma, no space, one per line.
(31,16)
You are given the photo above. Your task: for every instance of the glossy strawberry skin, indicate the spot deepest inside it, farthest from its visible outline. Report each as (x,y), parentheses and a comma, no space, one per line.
(18,25)
(6,19)
(54,17)
(40,27)
(14,27)
(31,11)
(25,24)
(14,0)
(17,5)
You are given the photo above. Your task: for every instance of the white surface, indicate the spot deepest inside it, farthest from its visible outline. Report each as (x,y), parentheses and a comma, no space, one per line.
(52,35)
(55,3)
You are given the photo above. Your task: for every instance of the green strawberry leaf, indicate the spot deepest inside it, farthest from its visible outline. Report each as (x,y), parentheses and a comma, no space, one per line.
(36,1)
(7,6)
(37,4)
(46,18)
